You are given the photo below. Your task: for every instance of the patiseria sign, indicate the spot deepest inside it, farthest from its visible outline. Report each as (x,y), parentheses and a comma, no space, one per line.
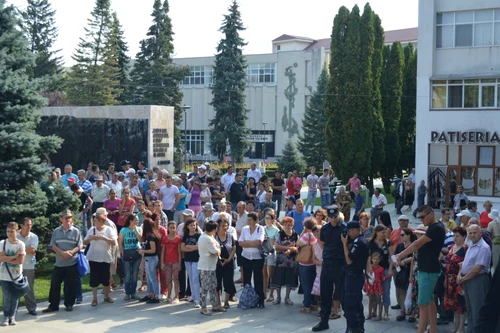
(465,137)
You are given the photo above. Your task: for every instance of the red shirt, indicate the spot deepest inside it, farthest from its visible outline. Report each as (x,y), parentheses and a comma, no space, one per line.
(172,249)
(484,219)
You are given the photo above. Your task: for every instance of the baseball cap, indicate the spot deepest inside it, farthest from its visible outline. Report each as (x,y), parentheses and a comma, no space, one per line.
(291,198)
(66,213)
(121,174)
(353,225)
(188,212)
(207,163)
(464,213)
(124,162)
(403,217)
(71,179)
(131,170)
(202,167)
(332,211)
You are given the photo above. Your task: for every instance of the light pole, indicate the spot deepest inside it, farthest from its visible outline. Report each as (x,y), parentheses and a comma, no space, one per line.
(264,144)
(185,108)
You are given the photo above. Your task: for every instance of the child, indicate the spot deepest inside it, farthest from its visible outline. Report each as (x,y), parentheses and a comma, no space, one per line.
(170,259)
(375,290)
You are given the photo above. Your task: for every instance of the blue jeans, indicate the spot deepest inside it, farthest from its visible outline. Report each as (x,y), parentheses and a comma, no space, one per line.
(194,279)
(9,302)
(131,269)
(325,200)
(386,297)
(307,275)
(311,199)
(151,263)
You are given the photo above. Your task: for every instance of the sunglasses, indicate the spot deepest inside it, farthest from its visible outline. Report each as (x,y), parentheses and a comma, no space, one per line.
(421,217)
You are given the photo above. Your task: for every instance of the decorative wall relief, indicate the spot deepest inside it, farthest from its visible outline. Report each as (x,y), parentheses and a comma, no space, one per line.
(289,124)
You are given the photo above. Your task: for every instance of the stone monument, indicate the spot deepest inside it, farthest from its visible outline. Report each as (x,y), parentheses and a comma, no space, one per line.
(102,134)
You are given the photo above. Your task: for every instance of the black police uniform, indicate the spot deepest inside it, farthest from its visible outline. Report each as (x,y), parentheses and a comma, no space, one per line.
(333,261)
(353,285)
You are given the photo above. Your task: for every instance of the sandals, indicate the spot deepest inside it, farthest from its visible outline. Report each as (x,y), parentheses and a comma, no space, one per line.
(175,301)
(205,312)
(334,316)
(378,318)
(277,301)
(314,307)
(305,310)
(270,299)
(226,306)
(94,302)
(218,309)
(142,288)
(108,300)
(386,316)
(288,301)
(401,317)
(412,319)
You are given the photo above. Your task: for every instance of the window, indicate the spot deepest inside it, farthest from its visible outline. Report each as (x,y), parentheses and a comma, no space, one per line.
(200,75)
(468,94)
(478,170)
(195,141)
(468,28)
(261,73)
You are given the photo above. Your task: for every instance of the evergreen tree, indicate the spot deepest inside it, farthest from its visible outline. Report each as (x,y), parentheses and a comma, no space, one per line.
(229,123)
(392,90)
(94,79)
(312,144)
(119,46)
(378,134)
(333,98)
(21,147)
(351,113)
(39,23)
(290,159)
(155,77)
(408,110)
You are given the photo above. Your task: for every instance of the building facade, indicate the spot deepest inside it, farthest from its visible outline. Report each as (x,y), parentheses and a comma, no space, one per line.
(279,86)
(458,104)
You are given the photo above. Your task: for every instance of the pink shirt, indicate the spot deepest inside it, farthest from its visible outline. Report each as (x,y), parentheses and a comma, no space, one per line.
(308,238)
(354,183)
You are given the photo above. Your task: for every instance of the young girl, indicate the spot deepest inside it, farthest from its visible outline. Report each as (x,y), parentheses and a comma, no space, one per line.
(189,246)
(171,259)
(375,290)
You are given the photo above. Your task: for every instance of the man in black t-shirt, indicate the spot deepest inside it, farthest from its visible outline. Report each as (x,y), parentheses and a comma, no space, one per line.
(428,247)
(237,192)
(278,185)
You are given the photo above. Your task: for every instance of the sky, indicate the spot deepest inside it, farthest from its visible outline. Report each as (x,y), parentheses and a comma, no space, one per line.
(196,22)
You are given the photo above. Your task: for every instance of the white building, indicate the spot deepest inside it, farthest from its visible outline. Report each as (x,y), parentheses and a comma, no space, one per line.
(458,104)
(280,85)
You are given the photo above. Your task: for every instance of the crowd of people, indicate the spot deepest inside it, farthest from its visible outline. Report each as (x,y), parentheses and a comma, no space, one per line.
(181,238)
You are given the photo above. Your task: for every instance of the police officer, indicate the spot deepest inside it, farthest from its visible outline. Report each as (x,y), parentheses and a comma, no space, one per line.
(333,260)
(356,258)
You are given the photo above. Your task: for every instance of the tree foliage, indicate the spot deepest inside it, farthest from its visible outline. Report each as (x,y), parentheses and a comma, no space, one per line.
(40,26)
(408,110)
(392,90)
(21,147)
(312,144)
(117,57)
(95,78)
(289,159)
(349,96)
(155,77)
(229,124)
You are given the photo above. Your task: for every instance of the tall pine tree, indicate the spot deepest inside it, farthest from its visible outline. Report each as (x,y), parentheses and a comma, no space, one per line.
(408,110)
(21,147)
(95,78)
(116,58)
(312,144)
(350,114)
(378,133)
(39,23)
(155,78)
(230,121)
(392,90)
(289,160)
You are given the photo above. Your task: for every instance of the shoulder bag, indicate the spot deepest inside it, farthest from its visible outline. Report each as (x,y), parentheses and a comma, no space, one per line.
(266,248)
(305,254)
(82,265)
(20,285)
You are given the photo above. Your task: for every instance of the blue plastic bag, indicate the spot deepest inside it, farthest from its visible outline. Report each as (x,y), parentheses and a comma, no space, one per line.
(82,264)
(248,299)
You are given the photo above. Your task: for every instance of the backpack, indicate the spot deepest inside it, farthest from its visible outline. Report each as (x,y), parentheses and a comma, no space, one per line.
(248,299)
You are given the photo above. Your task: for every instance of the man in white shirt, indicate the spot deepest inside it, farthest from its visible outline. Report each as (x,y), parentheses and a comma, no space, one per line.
(254,172)
(378,202)
(227,180)
(135,191)
(169,196)
(30,240)
(312,183)
(115,184)
(241,222)
(100,192)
